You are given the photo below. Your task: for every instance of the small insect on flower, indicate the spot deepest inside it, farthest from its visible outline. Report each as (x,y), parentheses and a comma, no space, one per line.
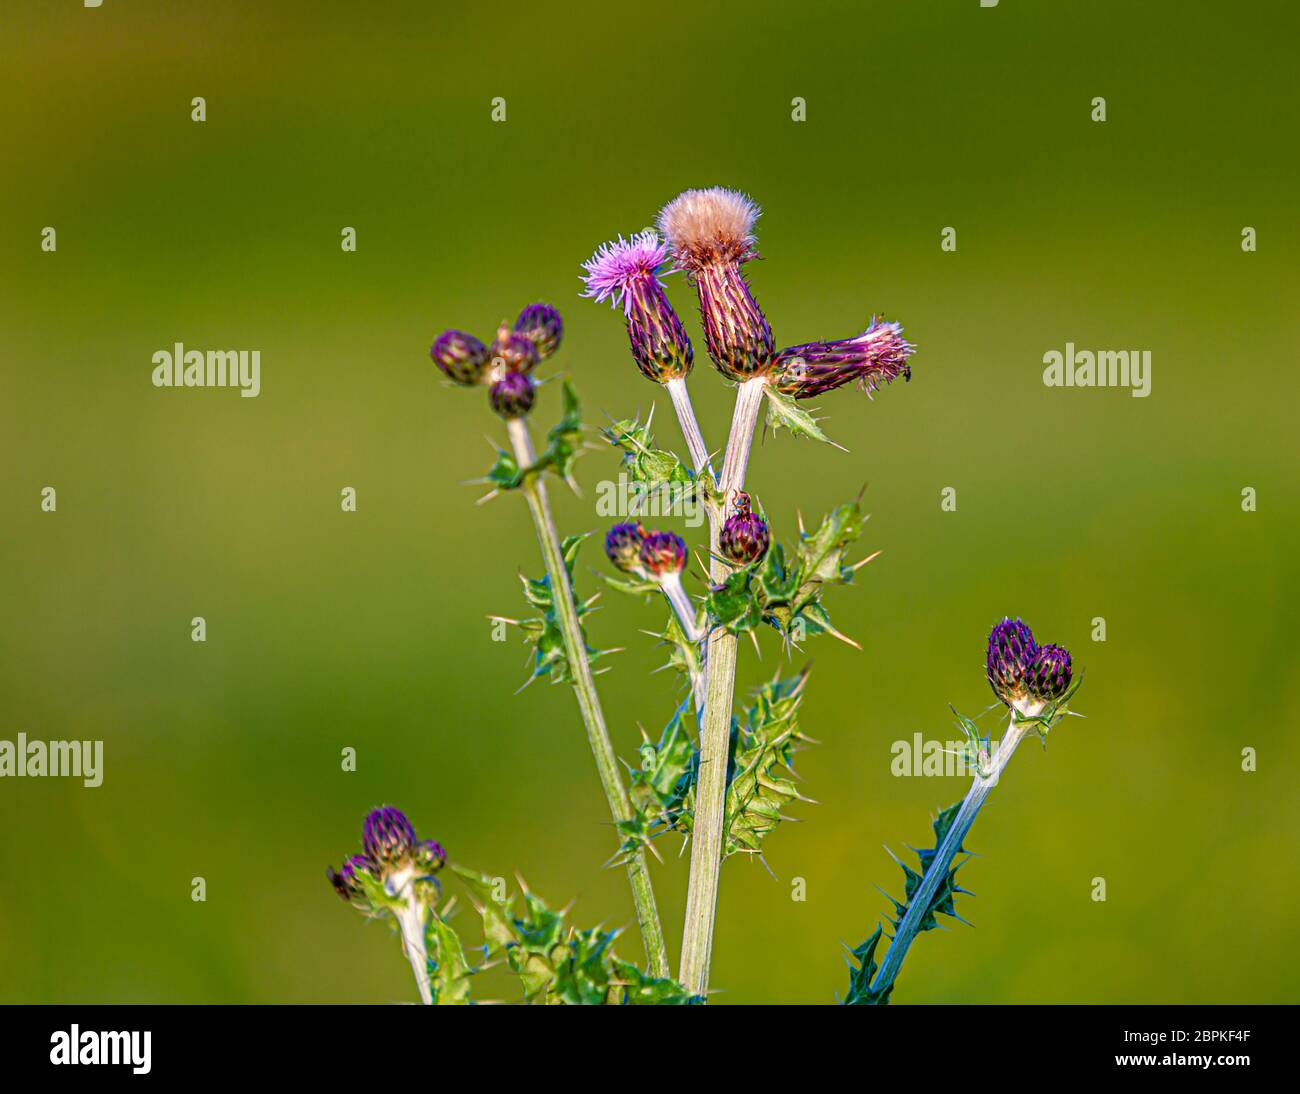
(542,325)
(345,880)
(877,356)
(461,356)
(1011,650)
(1048,674)
(663,553)
(513,395)
(623,547)
(744,538)
(711,234)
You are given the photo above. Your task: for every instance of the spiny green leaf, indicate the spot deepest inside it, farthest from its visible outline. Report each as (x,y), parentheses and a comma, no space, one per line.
(784,413)
(863,972)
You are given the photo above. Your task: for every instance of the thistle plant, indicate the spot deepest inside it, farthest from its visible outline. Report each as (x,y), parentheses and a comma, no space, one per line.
(721,774)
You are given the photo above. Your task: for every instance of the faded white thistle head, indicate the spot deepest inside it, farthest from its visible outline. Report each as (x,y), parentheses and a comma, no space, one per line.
(711,233)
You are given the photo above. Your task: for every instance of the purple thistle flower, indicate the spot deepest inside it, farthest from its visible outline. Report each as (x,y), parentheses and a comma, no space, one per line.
(513,394)
(877,355)
(711,234)
(1048,675)
(623,547)
(461,356)
(1011,649)
(663,553)
(513,351)
(387,836)
(542,324)
(744,538)
(626,272)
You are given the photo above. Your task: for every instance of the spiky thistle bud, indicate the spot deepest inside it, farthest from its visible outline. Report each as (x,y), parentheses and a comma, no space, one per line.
(345,880)
(461,356)
(387,836)
(513,395)
(542,324)
(626,272)
(429,856)
(744,538)
(512,351)
(1011,650)
(876,356)
(663,553)
(1048,675)
(623,547)
(711,234)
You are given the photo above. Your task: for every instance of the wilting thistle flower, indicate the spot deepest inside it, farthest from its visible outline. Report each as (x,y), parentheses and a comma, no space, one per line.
(1048,675)
(512,351)
(626,272)
(877,355)
(623,547)
(513,395)
(1010,652)
(663,553)
(387,836)
(542,325)
(744,538)
(711,234)
(461,356)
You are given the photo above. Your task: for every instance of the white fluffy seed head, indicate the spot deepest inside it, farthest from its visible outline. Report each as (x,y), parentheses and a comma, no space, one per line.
(710,225)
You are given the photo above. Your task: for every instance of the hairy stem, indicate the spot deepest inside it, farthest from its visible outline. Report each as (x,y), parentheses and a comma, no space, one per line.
(410,920)
(715,732)
(910,924)
(681,400)
(584,686)
(675,593)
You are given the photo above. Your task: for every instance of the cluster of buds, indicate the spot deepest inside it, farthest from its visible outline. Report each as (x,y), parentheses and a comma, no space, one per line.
(394,860)
(744,538)
(506,366)
(1023,674)
(658,557)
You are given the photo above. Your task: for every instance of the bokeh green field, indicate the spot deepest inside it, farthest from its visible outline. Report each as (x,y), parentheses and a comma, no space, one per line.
(369,630)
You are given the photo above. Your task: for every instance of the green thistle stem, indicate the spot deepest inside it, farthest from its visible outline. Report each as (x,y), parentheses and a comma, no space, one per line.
(909,925)
(681,400)
(715,734)
(584,686)
(410,920)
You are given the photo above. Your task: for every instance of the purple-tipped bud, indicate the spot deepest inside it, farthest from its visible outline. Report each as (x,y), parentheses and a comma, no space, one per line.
(429,856)
(623,546)
(542,324)
(626,272)
(663,553)
(1048,677)
(345,880)
(1011,650)
(387,836)
(461,356)
(513,395)
(710,233)
(875,357)
(744,538)
(512,351)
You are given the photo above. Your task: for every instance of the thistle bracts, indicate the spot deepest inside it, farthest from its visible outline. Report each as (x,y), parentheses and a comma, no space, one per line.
(626,272)
(744,538)
(541,324)
(623,547)
(1048,676)
(711,234)
(461,356)
(877,356)
(663,553)
(1011,649)
(513,395)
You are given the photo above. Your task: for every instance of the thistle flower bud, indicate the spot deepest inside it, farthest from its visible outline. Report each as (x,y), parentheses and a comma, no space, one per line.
(1048,675)
(627,272)
(663,553)
(429,856)
(345,880)
(387,836)
(542,325)
(1011,650)
(623,547)
(513,395)
(461,356)
(744,538)
(711,233)
(512,351)
(877,355)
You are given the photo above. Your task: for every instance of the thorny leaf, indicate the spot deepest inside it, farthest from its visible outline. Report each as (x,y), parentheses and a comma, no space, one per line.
(563,447)
(784,412)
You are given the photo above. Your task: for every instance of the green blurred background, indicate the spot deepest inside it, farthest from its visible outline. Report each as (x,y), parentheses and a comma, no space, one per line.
(368,630)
